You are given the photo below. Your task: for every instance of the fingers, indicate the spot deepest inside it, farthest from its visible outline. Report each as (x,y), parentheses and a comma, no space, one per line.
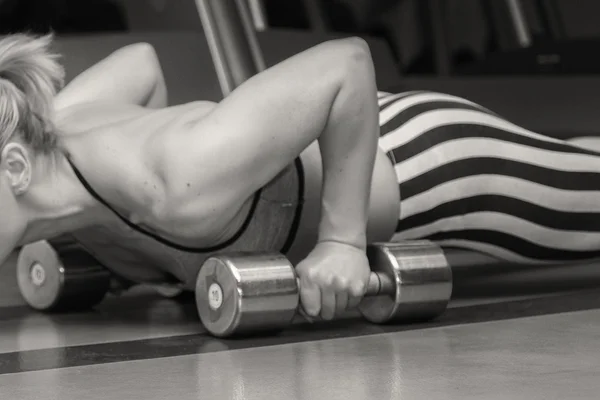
(328,303)
(341,303)
(310,297)
(356,293)
(329,296)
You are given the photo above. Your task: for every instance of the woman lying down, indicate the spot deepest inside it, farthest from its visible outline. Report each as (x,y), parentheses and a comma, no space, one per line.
(151,191)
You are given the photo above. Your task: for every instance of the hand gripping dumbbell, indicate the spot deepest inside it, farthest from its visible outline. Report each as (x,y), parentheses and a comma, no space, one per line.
(244,294)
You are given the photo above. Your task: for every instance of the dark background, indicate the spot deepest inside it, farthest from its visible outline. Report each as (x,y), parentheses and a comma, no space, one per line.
(471,32)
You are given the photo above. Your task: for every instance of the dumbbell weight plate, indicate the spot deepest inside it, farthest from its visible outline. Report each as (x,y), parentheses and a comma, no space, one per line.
(422,277)
(245,294)
(71,281)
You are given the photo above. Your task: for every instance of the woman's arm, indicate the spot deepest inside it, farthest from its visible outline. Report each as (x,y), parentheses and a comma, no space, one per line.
(130,75)
(326,93)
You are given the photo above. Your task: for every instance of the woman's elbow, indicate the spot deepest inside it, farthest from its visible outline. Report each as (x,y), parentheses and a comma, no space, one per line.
(351,50)
(358,47)
(142,53)
(352,58)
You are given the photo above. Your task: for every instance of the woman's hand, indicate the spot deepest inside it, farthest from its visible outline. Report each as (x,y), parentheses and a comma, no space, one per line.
(333,278)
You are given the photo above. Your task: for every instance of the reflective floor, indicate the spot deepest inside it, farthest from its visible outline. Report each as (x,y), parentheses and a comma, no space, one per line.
(145,347)
(554,356)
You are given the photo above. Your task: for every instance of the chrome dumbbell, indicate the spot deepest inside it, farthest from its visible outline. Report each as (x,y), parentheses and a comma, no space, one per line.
(244,294)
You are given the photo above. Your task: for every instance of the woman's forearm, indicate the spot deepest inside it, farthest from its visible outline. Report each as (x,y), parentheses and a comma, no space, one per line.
(348,149)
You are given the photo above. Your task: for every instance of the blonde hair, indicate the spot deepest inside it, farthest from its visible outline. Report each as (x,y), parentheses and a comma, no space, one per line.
(30,77)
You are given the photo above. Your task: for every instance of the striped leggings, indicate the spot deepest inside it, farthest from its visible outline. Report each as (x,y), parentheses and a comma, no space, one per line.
(470,179)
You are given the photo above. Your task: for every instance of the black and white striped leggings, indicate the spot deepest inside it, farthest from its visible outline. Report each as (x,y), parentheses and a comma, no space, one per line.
(470,179)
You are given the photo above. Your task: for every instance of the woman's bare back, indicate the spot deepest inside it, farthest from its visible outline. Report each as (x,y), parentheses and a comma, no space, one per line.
(106,143)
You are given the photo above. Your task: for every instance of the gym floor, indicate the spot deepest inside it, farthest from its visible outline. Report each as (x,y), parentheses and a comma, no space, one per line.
(143,346)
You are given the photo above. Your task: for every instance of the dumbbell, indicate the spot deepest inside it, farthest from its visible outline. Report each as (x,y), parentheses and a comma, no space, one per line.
(245,294)
(60,276)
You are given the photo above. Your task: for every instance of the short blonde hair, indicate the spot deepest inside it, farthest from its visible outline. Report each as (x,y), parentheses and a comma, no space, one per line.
(30,77)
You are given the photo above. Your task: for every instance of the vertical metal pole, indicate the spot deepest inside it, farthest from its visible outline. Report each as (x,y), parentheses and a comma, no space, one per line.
(257,10)
(439,37)
(552,19)
(520,25)
(232,41)
(318,22)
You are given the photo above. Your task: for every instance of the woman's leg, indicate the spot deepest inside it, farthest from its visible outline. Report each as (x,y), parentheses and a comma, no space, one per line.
(587,142)
(470,179)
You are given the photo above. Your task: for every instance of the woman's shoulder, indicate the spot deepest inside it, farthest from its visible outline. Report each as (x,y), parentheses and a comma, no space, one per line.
(124,116)
(106,145)
(86,117)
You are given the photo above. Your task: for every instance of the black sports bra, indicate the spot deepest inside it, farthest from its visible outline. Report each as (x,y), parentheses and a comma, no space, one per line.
(264,209)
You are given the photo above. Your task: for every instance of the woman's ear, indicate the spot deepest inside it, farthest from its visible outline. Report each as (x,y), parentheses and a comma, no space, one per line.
(15,164)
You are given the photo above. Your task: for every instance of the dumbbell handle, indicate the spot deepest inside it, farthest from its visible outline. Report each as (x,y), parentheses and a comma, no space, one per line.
(379,284)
